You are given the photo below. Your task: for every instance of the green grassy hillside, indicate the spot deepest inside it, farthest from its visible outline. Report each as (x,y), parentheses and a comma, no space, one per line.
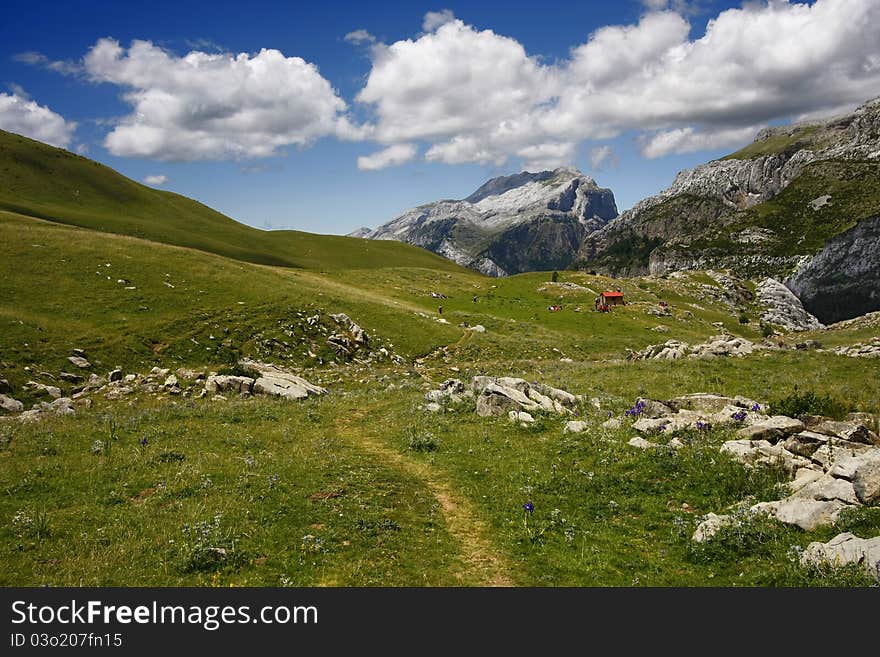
(362,486)
(332,491)
(54,184)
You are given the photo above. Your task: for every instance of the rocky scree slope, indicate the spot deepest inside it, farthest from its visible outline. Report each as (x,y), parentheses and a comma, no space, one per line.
(800,204)
(511,224)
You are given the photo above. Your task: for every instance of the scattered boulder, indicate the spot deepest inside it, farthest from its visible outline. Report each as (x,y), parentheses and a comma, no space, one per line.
(866,478)
(498,399)
(808,514)
(803,477)
(41,390)
(641,443)
(575,426)
(498,396)
(805,443)
(70,378)
(451,390)
(762,453)
(861,350)
(612,423)
(10,405)
(277,382)
(855,432)
(702,401)
(845,549)
(773,429)
(719,345)
(649,426)
(349,339)
(4,386)
(228,383)
(79,362)
(115,375)
(828,488)
(710,526)
(651,408)
(520,416)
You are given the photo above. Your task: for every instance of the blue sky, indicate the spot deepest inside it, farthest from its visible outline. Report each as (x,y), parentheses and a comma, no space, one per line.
(328,116)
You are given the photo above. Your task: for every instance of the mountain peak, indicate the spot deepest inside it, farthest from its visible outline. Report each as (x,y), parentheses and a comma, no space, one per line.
(503,184)
(521,222)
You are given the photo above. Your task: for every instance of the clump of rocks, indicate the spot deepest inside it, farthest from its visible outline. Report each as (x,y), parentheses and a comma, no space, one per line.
(267,379)
(861,350)
(834,465)
(719,345)
(518,399)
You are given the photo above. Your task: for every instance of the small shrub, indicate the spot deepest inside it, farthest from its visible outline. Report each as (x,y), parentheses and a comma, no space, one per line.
(744,319)
(208,545)
(810,403)
(423,441)
(767,330)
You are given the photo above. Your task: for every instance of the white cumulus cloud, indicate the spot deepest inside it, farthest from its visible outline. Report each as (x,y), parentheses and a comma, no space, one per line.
(359,36)
(434,19)
(474,95)
(206,106)
(156,180)
(23,116)
(391,156)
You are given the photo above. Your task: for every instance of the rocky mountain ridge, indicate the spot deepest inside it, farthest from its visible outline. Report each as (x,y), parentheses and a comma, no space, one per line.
(788,206)
(511,224)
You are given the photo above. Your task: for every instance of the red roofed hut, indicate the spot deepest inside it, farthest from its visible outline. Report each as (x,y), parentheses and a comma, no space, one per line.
(610,298)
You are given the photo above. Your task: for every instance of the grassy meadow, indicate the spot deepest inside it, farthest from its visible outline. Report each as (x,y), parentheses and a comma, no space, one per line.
(362,487)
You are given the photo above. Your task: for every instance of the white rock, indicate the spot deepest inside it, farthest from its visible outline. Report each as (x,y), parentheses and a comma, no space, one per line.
(10,405)
(805,513)
(712,524)
(829,488)
(866,480)
(641,443)
(773,429)
(80,362)
(803,477)
(783,308)
(575,426)
(845,549)
(521,417)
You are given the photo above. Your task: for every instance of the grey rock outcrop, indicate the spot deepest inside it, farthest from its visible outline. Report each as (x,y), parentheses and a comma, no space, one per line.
(512,224)
(705,219)
(783,308)
(79,362)
(275,381)
(843,279)
(10,405)
(719,345)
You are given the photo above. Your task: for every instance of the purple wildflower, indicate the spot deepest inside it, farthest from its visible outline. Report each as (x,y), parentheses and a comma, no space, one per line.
(739,416)
(702,425)
(528,507)
(756,407)
(143,441)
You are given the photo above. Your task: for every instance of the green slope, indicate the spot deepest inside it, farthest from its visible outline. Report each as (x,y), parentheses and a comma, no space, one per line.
(54,184)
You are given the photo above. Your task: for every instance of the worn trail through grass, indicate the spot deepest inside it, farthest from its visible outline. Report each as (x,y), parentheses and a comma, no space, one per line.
(485,565)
